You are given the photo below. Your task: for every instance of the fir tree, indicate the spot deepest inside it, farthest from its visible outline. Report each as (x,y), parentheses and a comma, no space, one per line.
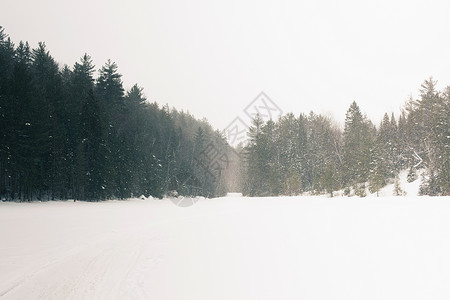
(357,140)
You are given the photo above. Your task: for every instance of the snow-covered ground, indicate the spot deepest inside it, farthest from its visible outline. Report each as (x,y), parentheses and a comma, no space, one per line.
(227,248)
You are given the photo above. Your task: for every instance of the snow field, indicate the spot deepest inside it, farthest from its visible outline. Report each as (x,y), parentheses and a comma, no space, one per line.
(227,248)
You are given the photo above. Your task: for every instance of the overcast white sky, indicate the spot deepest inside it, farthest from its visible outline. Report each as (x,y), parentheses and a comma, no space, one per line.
(214,57)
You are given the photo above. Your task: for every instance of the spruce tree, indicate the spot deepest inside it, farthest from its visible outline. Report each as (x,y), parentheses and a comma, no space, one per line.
(357,141)
(91,149)
(254,158)
(84,149)
(49,94)
(110,91)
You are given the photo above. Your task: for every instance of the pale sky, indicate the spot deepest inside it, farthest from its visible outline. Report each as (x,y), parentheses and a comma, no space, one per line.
(214,57)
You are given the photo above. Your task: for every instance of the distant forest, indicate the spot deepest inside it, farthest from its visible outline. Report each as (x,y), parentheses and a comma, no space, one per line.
(66,134)
(310,153)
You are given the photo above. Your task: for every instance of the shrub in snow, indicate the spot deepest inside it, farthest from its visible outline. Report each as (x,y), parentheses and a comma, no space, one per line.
(347,191)
(376,182)
(430,185)
(172,194)
(360,190)
(412,175)
(398,191)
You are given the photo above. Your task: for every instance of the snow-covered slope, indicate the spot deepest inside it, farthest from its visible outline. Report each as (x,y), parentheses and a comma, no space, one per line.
(409,188)
(227,248)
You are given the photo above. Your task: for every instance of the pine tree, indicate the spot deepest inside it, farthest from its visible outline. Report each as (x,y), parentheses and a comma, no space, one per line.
(330,178)
(441,135)
(268,168)
(377,177)
(110,91)
(24,160)
(357,141)
(254,158)
(84,146)
(428,131)
(199,142)
(398,191)
(64,137)
(91,149)
(303,164)
(48,91)
(7,122)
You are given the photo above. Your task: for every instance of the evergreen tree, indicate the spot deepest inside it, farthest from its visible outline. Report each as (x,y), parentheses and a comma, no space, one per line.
(255,159)
(8,126)
(110,92)
(84,146)
(357,142)
(64,136)
(48,92)
(329,179)
(428,132)
(24,129)
(91,152)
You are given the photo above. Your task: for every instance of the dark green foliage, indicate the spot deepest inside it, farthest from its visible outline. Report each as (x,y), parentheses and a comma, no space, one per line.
(360,190)
(292,156)
(308,154)
(66,135)
(329,179)
(428,133)
(376,181)
(347,191)
(398,191)
(357,143)
(412,175)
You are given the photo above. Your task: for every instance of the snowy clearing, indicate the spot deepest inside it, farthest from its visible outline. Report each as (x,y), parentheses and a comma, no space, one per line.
(227,248)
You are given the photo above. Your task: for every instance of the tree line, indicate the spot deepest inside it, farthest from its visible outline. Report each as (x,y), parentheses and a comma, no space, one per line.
(66,134)
(309,153)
